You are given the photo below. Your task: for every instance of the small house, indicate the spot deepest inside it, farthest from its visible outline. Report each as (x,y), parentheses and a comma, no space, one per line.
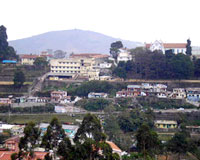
(165,124)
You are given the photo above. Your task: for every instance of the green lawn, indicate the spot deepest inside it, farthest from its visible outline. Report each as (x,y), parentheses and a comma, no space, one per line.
(39,118)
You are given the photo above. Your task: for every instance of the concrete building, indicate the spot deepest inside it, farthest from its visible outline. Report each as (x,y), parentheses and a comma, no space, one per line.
(78,65)
(97,95)
(124,56)
(178,93)
(28,59)
(165,124)
(193,94)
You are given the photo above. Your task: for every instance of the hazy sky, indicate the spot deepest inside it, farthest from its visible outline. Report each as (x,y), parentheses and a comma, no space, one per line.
(137,20)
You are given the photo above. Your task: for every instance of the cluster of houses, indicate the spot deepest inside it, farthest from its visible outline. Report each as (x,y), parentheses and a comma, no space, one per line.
(160,90)
(56,97)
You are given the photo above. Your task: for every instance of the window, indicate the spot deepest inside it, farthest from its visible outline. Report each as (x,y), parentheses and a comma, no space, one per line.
(59,67)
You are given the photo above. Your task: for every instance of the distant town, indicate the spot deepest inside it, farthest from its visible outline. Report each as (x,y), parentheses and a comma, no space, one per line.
(134,103)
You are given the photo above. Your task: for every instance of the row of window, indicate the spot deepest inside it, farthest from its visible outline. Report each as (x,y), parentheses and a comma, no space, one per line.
(65,71)
(65,67)
(67,62)
(192,95)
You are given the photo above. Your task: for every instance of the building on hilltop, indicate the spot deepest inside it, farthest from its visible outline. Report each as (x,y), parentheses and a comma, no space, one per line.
(159,45)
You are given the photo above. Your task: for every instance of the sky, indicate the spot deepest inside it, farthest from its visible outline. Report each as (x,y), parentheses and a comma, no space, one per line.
(137,20)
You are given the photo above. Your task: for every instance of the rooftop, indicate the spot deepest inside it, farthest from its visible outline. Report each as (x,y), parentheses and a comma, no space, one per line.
(89,55)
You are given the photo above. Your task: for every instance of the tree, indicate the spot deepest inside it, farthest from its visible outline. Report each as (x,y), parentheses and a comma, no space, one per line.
(96,104)
(181,143)
(197,68)
(19,78)
(53,136)
(188,48)
(114,48)
(147,141)
(40,62)
(6,52)
(90,128)
(90,141)
(31,138)
(181,67)
(66,149)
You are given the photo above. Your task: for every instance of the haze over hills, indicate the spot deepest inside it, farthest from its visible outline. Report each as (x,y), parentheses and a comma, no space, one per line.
(77,41)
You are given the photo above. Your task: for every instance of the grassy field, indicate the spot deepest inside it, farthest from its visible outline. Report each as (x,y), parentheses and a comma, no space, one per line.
(37,118)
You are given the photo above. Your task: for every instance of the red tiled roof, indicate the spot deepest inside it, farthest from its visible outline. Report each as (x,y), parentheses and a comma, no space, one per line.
(114,146)
(170,45)
(6,155)
(29,56)
(174,45)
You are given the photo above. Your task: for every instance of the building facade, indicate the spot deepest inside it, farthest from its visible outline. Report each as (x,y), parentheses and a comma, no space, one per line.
(78,65)
(159,45)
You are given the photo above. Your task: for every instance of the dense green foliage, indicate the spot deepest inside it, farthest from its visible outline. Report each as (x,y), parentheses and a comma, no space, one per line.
(147,141)
(156,65)
(6,51)
(93,104)
(31,138)
(164,103)
(130,121)
(19,78)
(95,86)
(53,135)
(40,63)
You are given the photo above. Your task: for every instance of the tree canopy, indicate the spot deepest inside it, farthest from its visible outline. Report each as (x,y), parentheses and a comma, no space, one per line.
(156,65)
(40,62)
(19,78)
(6,51)
(114,48)
(147,140)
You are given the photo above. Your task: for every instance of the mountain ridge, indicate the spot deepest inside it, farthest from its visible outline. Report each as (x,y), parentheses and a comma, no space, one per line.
(74,40)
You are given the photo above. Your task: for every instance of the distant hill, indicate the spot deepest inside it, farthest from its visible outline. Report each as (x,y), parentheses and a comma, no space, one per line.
(77,41)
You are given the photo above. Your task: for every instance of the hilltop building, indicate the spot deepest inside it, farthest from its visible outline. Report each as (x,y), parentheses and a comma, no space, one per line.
(159,45)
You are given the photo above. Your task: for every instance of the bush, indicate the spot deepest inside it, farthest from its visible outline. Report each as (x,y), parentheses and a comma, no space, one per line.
(93,104)
(95,86)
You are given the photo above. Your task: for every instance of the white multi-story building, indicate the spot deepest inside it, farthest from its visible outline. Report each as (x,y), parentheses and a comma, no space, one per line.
(78,64)
(124,56)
